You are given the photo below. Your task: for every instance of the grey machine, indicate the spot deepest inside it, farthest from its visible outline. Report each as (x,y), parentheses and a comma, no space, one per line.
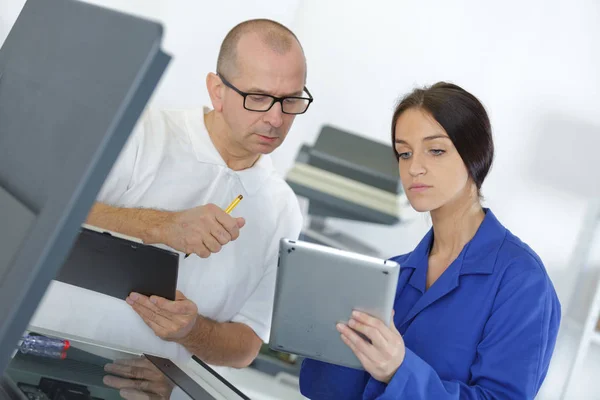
(74,79)
(346,176)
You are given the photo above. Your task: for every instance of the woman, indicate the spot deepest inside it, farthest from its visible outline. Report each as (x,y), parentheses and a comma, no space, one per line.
(476,315)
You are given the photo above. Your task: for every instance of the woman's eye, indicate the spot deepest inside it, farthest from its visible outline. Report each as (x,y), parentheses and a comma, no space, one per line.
(437,152)
(404,155)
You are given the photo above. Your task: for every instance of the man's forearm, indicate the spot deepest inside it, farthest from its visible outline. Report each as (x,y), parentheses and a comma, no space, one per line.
(145,224)
(228,344)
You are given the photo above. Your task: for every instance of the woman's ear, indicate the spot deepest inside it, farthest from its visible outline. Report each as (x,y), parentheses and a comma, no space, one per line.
(215,88)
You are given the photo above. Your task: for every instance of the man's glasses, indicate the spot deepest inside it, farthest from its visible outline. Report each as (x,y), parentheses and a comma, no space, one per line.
(261,102)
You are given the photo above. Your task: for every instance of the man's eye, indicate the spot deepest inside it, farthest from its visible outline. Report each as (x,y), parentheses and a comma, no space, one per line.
(258,99)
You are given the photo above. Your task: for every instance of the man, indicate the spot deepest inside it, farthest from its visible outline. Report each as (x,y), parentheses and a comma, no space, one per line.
(177,173)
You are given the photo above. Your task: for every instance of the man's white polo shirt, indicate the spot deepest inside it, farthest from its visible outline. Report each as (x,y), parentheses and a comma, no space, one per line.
(170,163)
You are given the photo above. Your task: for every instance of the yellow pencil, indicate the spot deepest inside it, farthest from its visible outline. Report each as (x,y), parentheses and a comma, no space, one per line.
(234,203)
(229,209)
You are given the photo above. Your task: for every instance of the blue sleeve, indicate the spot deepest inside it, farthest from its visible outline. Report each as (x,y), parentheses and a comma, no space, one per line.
(512,358)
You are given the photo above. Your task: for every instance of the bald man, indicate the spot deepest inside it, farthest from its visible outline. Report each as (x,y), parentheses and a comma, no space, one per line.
(169,187)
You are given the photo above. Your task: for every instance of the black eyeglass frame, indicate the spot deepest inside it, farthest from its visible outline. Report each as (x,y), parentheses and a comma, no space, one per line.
(275,99)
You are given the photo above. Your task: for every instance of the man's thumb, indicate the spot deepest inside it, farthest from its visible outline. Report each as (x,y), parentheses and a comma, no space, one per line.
(240,222)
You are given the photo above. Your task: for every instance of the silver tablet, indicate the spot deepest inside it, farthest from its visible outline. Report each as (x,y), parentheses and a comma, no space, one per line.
(316,288)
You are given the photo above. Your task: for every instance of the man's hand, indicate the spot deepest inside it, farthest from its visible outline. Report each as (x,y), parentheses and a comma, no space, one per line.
(229,344)
(138,379)
(170,320)
(202,230)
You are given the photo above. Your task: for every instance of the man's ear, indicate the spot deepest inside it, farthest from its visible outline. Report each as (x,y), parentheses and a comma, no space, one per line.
(216,89)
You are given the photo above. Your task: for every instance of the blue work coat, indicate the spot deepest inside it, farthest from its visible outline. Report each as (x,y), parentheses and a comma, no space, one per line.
(486,329)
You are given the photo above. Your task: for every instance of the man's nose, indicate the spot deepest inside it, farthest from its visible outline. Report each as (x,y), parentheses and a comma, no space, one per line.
(274,116)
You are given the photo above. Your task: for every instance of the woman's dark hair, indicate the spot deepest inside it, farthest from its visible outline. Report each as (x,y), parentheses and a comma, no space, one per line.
(462,116)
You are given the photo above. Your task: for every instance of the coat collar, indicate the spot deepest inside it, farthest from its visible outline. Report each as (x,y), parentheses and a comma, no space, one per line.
(477,257)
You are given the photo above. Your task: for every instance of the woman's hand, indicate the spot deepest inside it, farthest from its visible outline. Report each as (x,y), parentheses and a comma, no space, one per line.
(384,354)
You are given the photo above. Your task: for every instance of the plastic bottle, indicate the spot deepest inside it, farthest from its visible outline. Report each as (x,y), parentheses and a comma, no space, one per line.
(44,346)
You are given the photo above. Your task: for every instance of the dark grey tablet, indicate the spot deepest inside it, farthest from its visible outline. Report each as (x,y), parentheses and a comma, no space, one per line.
(117,266)
(319,286)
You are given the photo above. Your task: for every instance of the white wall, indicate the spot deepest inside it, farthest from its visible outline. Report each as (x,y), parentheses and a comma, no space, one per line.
(533,64)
